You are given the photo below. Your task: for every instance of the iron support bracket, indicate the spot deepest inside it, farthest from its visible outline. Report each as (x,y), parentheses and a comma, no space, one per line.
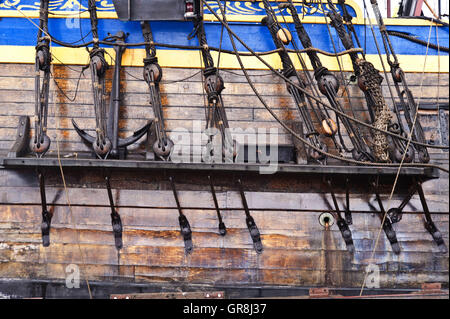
(21,145)
(251,225)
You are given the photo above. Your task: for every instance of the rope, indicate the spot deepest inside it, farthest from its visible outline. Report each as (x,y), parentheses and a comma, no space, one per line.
(232,36)
(194,47)
(311,96)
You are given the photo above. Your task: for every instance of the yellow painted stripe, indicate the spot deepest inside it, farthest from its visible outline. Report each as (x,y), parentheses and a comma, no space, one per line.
(191,59)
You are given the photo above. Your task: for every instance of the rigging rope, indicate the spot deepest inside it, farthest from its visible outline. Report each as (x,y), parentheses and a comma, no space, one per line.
(58,152)
(407,36)
(269,109)
(401,163)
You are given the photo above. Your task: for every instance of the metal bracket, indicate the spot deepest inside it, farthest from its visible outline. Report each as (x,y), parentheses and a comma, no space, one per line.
(319,293)
(429,224)
(346,234)
(342,224)
(46,215)
(251,225)
(21,145)
(115,217)
(387,225)
(222,228)
(185,228)
(118,145)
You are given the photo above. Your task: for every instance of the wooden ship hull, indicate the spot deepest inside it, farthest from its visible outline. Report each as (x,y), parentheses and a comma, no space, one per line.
(287,205)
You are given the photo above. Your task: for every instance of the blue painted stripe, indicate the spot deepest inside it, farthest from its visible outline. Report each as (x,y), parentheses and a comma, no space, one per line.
(20,31)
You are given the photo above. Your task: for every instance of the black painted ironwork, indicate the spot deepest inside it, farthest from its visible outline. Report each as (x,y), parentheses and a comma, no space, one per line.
(251,225)
(341,222)
(396,213)
(348,213)
(46,215)
(163,145)
(185,227)
(107,143)
(386,222)
(429,224)
(115,217)
(216,117)
(222,228)
(404,93)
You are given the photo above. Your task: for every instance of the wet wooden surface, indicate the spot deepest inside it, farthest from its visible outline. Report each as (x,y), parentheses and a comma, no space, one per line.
(297,249)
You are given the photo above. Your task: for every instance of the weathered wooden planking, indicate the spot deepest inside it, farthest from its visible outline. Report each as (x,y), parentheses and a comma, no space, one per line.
(298,250)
